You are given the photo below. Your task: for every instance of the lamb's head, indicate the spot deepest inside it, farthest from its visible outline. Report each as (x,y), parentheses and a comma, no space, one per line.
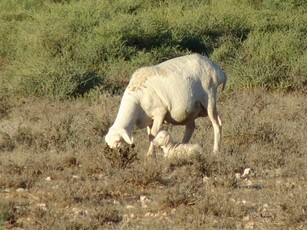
(116,137)
(162,139)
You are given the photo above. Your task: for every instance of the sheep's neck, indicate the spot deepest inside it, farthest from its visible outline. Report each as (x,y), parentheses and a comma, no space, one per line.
(127,113)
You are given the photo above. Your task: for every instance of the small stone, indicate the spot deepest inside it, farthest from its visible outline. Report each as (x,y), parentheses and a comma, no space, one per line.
(48,178)
(265,205)
(257,186)
(20,190)
(83,212)
(144,199)
(206,179)
(80,212)
(290,185)
(238,176)
(115,202)
(249,225)
(246,172)
(248,182)
(42,206)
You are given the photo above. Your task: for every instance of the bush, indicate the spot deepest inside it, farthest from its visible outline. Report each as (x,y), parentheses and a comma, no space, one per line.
(60,49)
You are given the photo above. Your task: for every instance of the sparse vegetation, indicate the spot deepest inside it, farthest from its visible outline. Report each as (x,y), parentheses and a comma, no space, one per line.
(54,178)
(63,67)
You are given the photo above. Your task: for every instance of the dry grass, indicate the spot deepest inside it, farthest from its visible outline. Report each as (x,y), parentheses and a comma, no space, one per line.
(57,173)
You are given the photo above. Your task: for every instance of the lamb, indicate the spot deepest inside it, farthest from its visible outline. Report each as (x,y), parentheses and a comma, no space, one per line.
(175,92)
(174,149)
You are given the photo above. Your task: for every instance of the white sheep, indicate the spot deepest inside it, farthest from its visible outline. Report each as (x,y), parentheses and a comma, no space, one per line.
(172,148)
(176,92)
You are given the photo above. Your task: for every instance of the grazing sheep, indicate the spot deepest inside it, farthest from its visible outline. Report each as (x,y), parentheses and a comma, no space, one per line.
(174,149)
(176,92)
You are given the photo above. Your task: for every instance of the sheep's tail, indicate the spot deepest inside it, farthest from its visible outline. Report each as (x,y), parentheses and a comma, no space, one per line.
(220,75)
(224,80)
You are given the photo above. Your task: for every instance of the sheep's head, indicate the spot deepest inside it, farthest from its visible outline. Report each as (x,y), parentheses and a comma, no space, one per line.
(116,137)
(162,138)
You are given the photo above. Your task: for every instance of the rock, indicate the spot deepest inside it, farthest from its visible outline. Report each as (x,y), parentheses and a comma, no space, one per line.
(265,206)
(257,186)
(246,172)
(80,212)
(43,206)
(248,183)
(144,201)
(116,202)
(238,176)
(249,225)
(206,179)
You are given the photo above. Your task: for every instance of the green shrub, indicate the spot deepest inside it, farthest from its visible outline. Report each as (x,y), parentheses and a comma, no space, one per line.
(60,49)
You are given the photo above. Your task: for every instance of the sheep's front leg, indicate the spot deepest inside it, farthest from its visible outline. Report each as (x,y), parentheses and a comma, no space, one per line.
(189,129)
(152,132)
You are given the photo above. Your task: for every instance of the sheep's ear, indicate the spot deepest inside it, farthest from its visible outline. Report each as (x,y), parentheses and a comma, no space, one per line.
(127,137)
(168,139)
(154,140)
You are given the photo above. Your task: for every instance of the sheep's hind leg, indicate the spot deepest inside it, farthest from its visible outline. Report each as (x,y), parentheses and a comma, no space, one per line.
(189,129)
(216,123)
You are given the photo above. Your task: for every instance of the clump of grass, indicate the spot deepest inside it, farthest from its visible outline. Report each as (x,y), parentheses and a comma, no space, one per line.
(4,106)
(187,193)
(6,142)
(11,211)
(120,158)
(107,214)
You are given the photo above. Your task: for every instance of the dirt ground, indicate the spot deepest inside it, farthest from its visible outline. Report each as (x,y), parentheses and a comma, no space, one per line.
(56,172)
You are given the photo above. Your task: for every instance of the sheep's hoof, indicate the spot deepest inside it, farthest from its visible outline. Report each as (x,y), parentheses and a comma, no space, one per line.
(216,152)
(151,154)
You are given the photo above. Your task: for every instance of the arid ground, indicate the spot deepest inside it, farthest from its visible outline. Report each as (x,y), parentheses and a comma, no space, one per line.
(64,65)
(56,171)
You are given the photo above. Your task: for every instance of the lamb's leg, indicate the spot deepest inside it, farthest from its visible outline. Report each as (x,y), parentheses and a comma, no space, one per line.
(216,123)
(152,132)
(189,129)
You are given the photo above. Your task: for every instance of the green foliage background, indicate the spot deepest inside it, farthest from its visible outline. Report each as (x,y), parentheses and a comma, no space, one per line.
(68,48)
